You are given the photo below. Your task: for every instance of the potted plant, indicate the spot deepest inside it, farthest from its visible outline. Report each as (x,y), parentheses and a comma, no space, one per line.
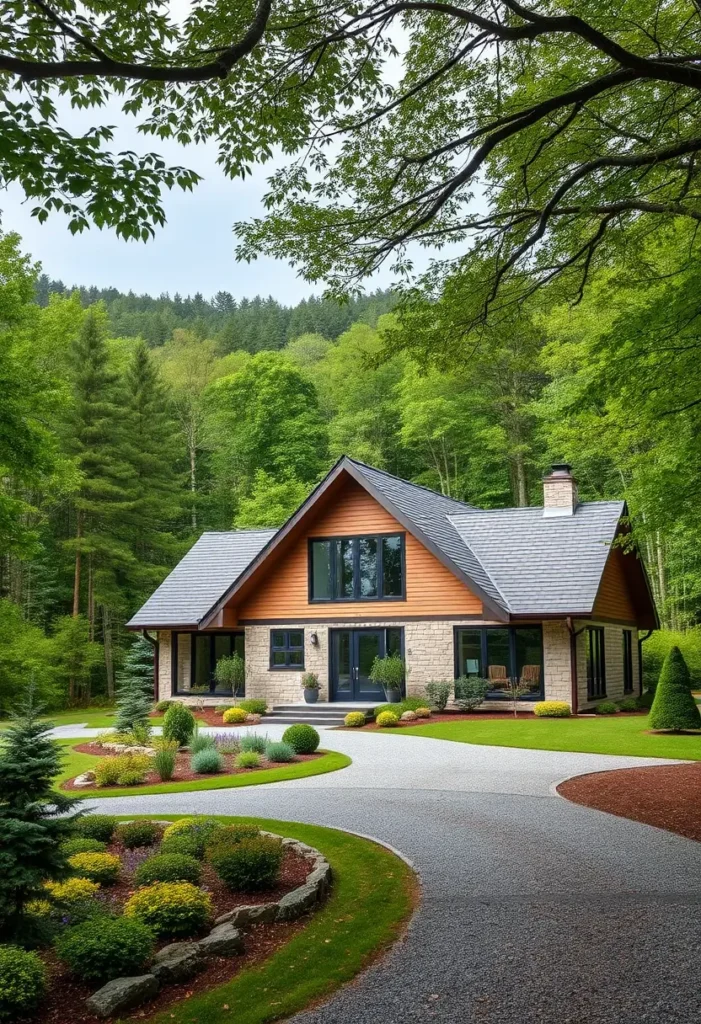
(230,674)
(310,685)
(388,672)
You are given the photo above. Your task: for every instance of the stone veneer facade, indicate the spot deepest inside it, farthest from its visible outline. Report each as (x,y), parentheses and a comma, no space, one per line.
(429,653)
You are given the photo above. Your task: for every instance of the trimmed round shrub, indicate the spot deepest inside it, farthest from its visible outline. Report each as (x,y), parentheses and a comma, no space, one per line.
(168,867)
(163,705)
(249,865)
(207,762)
(605,707)
(280,752)
(234,716)
(387,720)
(304,738)
(73,892)
(80,845)
(171,908)
(103,868)
(189,835)
(105,948)
(248,759)
(354,719)
(254,705)
(628,704)
(96,826)
(674,706)
(22,982)
(179,724)
(164,764)
(133,834)
(552,709)
(254,742)
(423,712)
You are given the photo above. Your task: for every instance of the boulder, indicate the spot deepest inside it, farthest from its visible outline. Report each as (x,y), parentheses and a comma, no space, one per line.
(122,994)
(297,902)
(409,716)
(177,962)
(86,779)
(320,877)
(260,913)
(252,719)
(223,940)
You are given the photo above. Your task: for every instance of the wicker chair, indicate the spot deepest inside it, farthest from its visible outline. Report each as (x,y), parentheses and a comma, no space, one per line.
(530,677)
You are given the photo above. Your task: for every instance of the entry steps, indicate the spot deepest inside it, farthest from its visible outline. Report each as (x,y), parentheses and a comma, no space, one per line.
(320,714)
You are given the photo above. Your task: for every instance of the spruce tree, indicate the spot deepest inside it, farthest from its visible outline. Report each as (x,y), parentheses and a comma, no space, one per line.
(134,696)
(674,706)
(33,816)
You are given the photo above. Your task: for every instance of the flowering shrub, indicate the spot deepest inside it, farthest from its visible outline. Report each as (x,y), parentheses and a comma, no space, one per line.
(103,868)
(74,891)
(189,835)
(234,716)
(171,908)
(123,770)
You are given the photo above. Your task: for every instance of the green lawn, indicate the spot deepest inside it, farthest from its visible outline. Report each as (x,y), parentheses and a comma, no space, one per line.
(76,763)
(619,734)
(93,718)
(373,895)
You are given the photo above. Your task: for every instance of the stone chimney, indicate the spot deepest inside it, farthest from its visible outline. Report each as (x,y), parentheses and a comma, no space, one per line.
(559,491)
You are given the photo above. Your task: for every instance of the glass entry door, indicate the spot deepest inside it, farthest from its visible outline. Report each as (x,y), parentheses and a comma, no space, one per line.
(352,654)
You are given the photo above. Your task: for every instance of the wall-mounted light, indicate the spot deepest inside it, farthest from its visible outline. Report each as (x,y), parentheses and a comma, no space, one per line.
(314,639)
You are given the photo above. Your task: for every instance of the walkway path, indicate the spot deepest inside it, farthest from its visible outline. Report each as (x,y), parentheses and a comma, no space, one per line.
(534,910)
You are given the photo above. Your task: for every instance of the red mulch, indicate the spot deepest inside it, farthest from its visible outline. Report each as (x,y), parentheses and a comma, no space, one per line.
(209,716)
(182,768)
(66,996)
(667,796)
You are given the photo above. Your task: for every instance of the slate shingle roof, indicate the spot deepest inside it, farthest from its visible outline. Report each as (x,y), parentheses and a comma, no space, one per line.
(519,561)
(197,582)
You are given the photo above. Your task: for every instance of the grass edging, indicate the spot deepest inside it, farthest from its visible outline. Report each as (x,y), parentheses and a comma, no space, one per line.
(373,895)
(78,762)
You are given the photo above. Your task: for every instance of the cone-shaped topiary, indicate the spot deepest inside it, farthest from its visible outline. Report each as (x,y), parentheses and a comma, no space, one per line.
(674,707)
(135,687)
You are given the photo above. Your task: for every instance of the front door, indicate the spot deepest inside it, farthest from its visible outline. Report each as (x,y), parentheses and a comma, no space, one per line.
(352,654)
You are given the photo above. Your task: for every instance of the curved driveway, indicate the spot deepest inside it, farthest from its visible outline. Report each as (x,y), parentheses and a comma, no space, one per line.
(534,910)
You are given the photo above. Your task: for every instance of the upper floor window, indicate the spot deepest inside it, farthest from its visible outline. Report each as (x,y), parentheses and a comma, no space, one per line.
(357,568)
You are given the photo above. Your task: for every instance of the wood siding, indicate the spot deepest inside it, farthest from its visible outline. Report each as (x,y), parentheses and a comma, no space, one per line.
(282,591)
(614,600)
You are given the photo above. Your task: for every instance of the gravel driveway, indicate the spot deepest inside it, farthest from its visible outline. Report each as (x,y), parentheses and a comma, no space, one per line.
(533,910)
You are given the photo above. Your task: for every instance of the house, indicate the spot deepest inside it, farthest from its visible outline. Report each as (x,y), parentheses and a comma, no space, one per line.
(371,564)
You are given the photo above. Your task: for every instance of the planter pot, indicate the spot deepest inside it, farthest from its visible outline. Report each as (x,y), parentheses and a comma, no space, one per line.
(393,696)
(311,695)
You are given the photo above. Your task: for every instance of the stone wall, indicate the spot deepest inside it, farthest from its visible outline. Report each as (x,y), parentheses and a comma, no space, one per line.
(164,665)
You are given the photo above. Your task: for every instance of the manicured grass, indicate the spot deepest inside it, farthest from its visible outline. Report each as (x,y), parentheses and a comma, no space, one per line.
(94,718)
(76,763)
(373,895)
(619,734)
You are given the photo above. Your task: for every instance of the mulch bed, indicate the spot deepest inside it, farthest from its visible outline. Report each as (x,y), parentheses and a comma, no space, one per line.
(182,768)
(212,717)
(667,796)
(66,996)
(438,717)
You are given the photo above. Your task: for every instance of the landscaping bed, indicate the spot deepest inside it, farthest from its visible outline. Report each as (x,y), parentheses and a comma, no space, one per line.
(183,771)
(667,796)
(449,716)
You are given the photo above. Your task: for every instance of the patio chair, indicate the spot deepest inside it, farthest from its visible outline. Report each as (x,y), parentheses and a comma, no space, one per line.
(497,675)
(530,677)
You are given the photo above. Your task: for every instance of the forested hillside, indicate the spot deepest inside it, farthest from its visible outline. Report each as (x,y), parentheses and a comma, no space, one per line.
(129,425)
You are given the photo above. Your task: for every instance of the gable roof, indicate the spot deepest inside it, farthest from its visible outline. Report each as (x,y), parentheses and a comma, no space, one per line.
(517,561)
(200,578)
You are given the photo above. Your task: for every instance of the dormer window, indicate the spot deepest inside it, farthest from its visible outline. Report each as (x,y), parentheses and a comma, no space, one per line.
(369,568)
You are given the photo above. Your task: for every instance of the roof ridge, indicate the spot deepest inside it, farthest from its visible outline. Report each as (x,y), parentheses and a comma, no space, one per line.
(536,508)
(411,483)
(233,533)
(482,566)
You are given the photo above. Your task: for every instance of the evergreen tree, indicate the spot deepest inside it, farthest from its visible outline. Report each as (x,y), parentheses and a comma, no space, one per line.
(135,693)
(674,706)
(33,818)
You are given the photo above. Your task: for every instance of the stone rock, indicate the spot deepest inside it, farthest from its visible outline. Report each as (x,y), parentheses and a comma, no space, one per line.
(297,902)
(86,779)
(320,876)
(252,719)
(223,940)
(124,748)
(409,716)
(122,994)
(177,962)
(260,913)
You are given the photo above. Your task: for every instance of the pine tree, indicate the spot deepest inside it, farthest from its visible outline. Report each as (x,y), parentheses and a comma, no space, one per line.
(674,706)
(33,816)
(135,693)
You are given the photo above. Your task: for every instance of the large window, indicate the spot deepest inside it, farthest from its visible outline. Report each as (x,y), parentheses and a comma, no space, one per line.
(194,657)
(357,568)
(627,661)
(596,663)
(287,648)
(500,654)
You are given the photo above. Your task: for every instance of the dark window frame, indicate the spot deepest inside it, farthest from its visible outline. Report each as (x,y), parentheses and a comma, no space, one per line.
(484,630)
(357,598)
(627,661)
(212,635)
(286,649)
(596,657)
